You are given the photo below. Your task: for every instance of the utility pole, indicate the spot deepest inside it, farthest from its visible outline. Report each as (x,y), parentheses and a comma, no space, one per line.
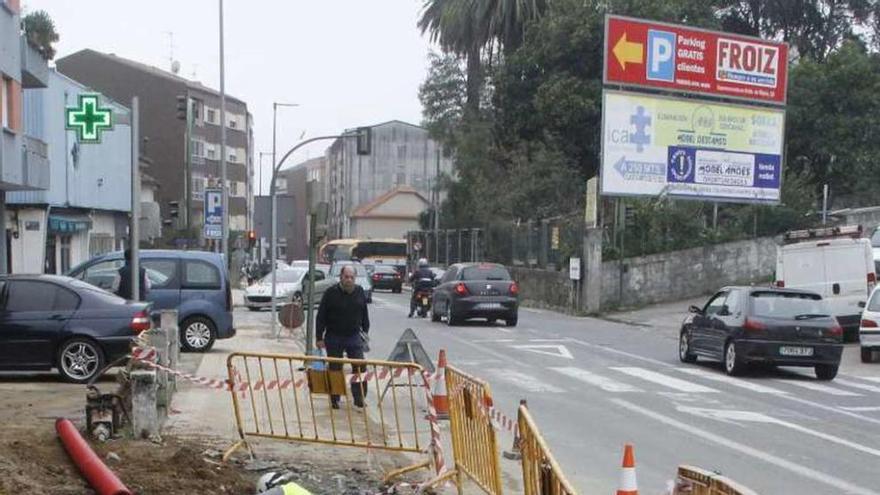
(223,183)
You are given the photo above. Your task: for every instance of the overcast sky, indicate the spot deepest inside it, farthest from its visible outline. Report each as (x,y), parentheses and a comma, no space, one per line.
(346,62)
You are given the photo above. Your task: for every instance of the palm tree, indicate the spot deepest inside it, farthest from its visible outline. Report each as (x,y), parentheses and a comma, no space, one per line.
(465,27)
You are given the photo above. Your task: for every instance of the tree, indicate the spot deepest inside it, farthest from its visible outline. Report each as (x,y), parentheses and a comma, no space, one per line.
(40,31)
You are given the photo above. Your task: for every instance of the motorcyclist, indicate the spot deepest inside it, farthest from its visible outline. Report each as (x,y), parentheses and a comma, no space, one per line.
(422,279)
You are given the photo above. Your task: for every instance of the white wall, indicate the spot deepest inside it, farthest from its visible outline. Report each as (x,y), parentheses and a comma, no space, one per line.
(29,250)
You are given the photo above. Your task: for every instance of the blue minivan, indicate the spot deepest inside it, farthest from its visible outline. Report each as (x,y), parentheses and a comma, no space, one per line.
(195,283)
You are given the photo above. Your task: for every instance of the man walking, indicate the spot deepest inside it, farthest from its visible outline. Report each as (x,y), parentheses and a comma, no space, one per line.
(342,316)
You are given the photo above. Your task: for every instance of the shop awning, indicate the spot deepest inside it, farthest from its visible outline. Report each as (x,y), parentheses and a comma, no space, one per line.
(67,225)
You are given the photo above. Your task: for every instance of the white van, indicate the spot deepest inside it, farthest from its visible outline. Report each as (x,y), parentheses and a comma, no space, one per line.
(834,262)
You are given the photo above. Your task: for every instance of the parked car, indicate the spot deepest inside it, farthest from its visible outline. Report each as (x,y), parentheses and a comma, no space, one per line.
(361,276)
(291,286)
(51,321)
(195,283)
(387,277)
(869,327)
(834,263)
(476,290)
(740,326)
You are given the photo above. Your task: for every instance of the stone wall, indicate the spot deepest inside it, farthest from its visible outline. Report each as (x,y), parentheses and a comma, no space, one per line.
(543,288)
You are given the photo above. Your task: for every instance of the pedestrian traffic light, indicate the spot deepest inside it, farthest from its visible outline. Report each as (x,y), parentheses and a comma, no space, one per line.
(174,209)
(364,140)
(181,107)
(252,238)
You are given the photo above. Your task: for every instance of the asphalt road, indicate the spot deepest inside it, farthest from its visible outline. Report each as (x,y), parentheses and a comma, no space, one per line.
(593,385)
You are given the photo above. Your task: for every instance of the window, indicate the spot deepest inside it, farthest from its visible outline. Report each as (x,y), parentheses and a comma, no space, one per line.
(162,273)
(233,122)
(788,305)
(485,272)
(6,101)
(30,295)
(104,275)
(198,185)
(233,188)
(198,148)
(211,115)
(714,306)
(232,156)
(201,275)
(211,150)
(65,253)
(734,302)
(100,244)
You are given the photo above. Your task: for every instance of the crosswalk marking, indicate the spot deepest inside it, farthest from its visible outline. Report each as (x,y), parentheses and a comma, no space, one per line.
(736,382)
(862,408)
(525,381)
(870,378)
(860,386)
(664,380)
(606,384)
(818,387)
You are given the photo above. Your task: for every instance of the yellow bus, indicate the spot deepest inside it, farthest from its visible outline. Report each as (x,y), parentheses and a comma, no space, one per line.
(368,251)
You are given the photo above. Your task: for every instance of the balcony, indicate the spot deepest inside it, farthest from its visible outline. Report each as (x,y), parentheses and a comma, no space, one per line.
(34,68)
(24,163)
(35,164)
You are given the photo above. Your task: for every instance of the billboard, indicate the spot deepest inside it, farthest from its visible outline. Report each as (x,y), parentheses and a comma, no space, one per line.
(213,214)
(688,148)
(670,57)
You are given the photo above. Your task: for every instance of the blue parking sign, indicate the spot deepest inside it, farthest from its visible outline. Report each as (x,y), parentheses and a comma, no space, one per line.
(213,214)
(661,56)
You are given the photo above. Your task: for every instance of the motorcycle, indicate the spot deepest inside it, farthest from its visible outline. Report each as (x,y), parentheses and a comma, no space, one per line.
(423,297)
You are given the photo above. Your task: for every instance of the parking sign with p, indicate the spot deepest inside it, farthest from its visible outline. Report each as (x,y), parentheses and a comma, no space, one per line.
(661,56)
(213,214)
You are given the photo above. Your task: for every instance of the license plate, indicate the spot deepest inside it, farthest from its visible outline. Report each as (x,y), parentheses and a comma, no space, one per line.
(795,351)
(425,300)
(489,306)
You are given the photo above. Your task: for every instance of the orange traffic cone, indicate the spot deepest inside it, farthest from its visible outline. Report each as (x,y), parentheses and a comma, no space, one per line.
(628,483)
(441,400)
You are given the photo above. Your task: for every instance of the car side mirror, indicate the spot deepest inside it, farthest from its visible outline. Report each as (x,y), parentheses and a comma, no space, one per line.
(862,304)
(695,310)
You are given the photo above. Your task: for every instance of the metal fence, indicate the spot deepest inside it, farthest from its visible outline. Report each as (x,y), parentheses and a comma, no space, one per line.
(445,247)
(692,480)
(541,473)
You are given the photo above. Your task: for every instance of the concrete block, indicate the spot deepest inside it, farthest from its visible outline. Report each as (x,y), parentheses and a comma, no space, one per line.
(144,411)
(168,322)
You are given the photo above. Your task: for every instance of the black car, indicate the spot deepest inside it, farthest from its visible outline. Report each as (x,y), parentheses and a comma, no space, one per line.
(49,321)
(388,278)
(476,290)
(743,325)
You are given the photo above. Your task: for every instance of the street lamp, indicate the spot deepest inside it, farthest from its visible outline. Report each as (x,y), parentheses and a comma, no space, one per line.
(274,226)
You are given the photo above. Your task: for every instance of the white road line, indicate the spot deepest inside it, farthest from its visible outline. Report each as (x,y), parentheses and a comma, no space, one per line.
(524,381)
(622,353)
(861,408)
(548,349)
(818,387)
(870,378)
(736,382)
(665,380)
(841,485)
(860,386)
(606,384)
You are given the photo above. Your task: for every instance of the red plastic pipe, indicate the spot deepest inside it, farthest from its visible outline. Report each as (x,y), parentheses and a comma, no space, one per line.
(99,476)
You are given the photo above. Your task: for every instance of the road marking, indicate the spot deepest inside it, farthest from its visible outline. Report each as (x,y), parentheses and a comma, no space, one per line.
(665,380)
(818,387)
(493,341)
(622,353)
(860,386)
(525,381)
(870,378)
(753,417)
(839,484)
(861,408)
(547,349)
(736,382)
(606,384)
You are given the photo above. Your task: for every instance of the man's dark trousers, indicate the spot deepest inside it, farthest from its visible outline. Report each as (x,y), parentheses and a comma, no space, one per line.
(353,348)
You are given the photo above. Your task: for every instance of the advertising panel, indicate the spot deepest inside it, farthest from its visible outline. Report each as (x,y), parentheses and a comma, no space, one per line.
(677,58)
(654,146)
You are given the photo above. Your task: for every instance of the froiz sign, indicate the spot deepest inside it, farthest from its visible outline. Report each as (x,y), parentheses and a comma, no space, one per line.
(657,55)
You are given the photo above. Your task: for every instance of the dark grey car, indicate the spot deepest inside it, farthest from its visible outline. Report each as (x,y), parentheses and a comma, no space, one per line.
(476,290)
(743,325)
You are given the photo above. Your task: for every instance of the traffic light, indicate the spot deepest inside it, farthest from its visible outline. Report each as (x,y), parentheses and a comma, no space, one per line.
(364,140)
(181,107)
(252,238)
(174,209)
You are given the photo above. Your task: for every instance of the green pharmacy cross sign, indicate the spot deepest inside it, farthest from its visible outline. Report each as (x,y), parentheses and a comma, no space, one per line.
(89,119)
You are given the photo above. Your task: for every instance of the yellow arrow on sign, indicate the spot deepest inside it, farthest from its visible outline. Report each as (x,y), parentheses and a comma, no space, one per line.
(627,52)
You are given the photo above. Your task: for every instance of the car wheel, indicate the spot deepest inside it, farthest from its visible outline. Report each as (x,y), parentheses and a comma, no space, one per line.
(733,365)
(435,316)
(397,290)
(79,360)
(867,355)
(450,317)
(197,334)
(826,372)
(684,349)
(511,322)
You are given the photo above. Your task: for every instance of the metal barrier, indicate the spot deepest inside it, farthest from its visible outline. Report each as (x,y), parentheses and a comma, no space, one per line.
(696,481)
(288,397)
(541,474)
(473,436)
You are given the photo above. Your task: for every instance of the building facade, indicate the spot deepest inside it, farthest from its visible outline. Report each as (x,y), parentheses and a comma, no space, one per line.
(181,181)
(24,162)
(85,211)
(401,155)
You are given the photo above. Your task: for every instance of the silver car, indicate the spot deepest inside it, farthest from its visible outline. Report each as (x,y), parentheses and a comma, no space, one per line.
(291,285)
(362,278)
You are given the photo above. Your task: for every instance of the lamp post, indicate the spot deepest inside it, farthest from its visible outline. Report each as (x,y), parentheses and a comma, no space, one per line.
(224,241)
(273,240)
